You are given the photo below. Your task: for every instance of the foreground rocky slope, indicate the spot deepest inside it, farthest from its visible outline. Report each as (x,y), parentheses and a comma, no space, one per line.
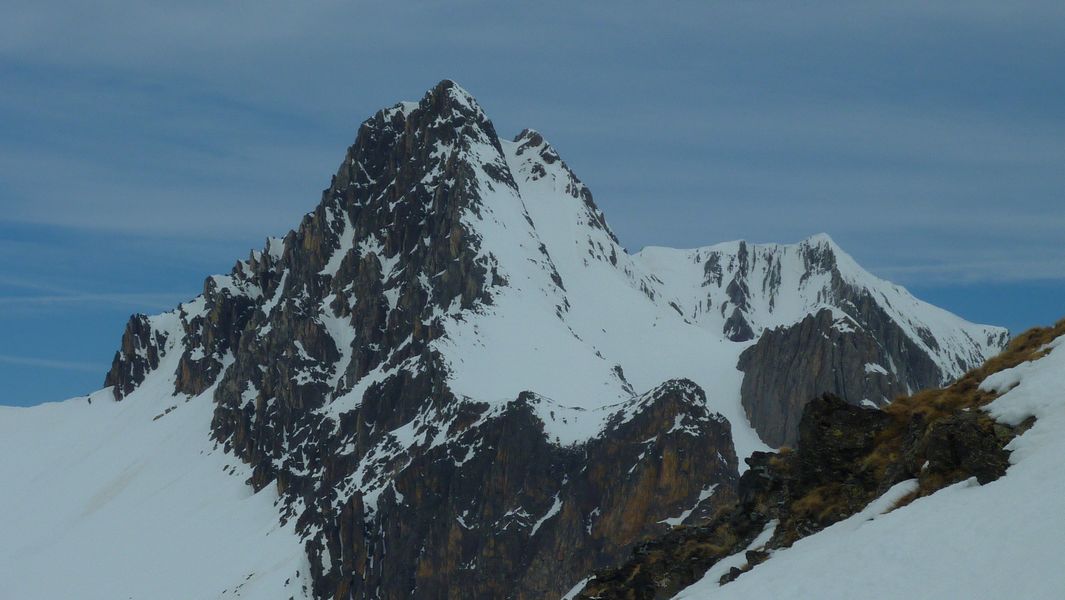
(458,384)
(849,460)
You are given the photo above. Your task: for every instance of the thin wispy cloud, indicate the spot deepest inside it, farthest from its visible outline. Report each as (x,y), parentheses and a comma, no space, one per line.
(65,297)
(44,363)
(966,272)
(150,301)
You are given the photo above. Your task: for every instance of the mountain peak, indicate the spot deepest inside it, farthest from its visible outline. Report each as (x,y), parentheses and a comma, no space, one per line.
(451,88)
(448,96)
(821,239)
(530,140)
(446,119)
(535,161)
(529,136)
(824,244)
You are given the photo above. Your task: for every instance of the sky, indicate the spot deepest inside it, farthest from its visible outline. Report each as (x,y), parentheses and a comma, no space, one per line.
(145,145)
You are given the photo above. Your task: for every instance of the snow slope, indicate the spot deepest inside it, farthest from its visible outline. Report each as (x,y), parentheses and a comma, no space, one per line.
(605,315)
(1000,540)
(105,501)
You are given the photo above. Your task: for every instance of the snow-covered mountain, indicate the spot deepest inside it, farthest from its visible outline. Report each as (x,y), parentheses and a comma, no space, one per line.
(451,375)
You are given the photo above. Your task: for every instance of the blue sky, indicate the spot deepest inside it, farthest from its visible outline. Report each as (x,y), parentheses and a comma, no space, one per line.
(145,145)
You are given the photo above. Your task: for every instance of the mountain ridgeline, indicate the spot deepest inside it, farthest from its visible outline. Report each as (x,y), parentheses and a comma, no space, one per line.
(460,385)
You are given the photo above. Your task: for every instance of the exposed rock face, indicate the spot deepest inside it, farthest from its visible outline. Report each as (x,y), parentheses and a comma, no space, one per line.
(968,444)
(335,359)
(476,518)
(138,355)
(790,365)
(412,257)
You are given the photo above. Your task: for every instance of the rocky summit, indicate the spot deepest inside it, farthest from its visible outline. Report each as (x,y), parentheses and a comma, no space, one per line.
(452,381)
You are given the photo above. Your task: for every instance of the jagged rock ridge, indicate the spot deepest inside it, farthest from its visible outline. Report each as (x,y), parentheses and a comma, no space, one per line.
(440,371)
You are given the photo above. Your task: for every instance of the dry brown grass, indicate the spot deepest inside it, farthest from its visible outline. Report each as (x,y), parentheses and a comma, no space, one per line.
(781,458)
(722,543)
(821,504)
(965,393)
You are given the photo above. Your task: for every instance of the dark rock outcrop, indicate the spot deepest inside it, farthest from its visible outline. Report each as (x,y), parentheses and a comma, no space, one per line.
(476,518)
(966,444)
(139,354)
